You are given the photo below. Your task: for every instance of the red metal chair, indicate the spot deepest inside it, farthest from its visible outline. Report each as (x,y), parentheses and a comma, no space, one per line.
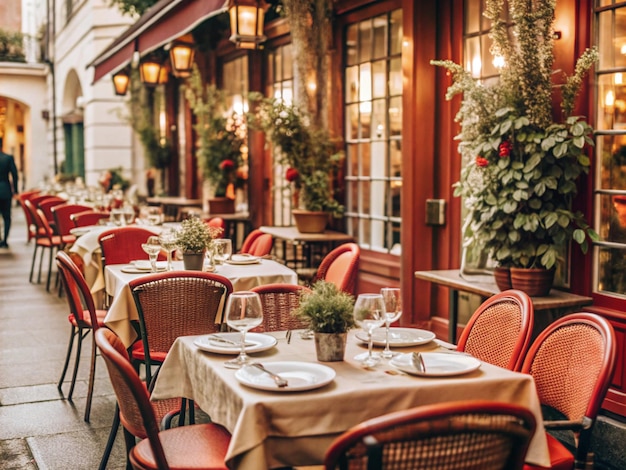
(452,435)
(31,228)
(499,331)
(249,240)
(61,215)
(83,318)
(200,446)
(173,304)
(279,302)
(89,217)
(122,245)
(46,239)
(572,362)
(262,245)
(340,267)
(217,222)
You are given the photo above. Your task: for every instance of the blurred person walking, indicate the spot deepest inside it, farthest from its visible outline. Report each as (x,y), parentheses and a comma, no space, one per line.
(8,190)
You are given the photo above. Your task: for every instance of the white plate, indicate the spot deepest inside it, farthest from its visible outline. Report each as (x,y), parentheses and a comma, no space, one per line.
(257,342)
(398,337)
(79,231)
(242,258)
(144,264)
(300,375)
(134,270)
(437,364)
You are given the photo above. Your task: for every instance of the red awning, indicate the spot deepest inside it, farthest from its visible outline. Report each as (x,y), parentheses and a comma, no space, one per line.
(164,22)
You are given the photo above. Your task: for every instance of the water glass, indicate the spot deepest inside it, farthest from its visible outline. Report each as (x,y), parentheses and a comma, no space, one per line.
(393,310)
(369,314)
(222,249)
(152,247)
(117,217)
(167,239)
(154,215)
(243,312)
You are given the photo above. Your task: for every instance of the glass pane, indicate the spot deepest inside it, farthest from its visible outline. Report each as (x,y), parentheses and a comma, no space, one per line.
(611,152)
(364,232)
(395,189)
(395,159)
(379,79)
(352,196)
(605,39)
(379,160)
(488,59)
(352,122)
(352,159)
(279,66)
(395,77)
(472,16)
(620,37)
(396,33)
(351,44)
(365,109)
(603,3)
(379,118)
(365,159)
(352,84)
(395,116)
(473,61)
(613,210)
(612,270)
(378,200)
(606,101)
(287,61)
(365,41)
(396,249)
(364,206)
(380,37)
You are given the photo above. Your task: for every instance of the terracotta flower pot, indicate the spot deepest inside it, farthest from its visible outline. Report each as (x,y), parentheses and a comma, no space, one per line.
(310,221)
(193,261)
(221,205)
(330,347)
(503,278)
(535,282)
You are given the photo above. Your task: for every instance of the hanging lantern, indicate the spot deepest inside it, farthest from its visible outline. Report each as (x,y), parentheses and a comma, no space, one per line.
(246,23)
(150,70)
(182,52)
(121,80)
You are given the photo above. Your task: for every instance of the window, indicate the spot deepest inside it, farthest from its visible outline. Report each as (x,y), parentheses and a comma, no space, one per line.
(610,161)
(281,85)
(373,131)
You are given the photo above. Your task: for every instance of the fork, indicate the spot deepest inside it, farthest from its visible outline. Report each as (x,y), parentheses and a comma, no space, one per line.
(418,362)
(280,382)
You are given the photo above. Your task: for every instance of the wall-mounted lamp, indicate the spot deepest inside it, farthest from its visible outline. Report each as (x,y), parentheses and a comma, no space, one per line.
(150,70)
(121,80)
(182,52)
(246,22)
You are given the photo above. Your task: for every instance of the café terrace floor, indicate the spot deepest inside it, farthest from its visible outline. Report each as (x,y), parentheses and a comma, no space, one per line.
(40,429)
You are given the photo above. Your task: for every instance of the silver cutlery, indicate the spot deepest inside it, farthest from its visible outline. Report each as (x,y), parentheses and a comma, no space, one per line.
(418,362)
(219,339)
(280,382)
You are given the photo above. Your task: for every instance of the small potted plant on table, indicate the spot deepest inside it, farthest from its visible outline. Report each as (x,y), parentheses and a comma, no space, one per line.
(329,313)
(193,238)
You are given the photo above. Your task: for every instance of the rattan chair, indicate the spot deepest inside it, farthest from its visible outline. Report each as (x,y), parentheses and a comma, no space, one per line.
(500,330)
(201,446)
(122,245)
(61,214)
(31,227)
(173,304)
(572,362)
(340,267)
(48,204)
(83,319)
(451,435)
(249,240)
(279,301)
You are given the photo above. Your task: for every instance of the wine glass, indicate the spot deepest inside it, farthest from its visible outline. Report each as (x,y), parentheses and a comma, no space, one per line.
(223,248)
(154,215)
(167,239)
(393,311)
(152,247)
(243,312)
(128,214)
(369,314)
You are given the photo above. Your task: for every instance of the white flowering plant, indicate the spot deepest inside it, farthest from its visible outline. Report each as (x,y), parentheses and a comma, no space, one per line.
(195,235)
(520,166)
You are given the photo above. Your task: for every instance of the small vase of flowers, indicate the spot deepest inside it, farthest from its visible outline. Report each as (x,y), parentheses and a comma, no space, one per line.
(193,238)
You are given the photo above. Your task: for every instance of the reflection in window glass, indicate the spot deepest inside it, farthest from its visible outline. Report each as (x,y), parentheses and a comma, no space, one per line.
(373,111)
(610,149)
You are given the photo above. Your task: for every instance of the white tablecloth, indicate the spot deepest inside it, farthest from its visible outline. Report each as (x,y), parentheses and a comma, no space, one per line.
(274,429)
(243,277)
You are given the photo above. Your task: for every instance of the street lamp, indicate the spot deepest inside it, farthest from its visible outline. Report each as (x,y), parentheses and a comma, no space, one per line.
(121,80)
(246,22)
(182,52)
(150,70)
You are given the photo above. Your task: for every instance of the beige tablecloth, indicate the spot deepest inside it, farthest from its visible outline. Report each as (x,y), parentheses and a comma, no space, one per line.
(274,429)
(243,277)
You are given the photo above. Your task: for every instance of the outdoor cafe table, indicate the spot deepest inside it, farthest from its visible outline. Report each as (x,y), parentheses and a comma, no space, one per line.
(123,312)
(277,429)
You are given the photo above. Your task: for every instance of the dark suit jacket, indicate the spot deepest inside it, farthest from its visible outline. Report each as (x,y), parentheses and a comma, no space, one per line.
(7,167)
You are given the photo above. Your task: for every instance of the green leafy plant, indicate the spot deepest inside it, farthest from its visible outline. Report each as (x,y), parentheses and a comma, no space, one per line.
(221,135)
(195,236)
(308,152)
(133,8)
(327,309)
(520,167)
(11,46)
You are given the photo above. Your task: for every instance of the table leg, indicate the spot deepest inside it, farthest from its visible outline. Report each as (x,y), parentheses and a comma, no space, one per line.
(453,315)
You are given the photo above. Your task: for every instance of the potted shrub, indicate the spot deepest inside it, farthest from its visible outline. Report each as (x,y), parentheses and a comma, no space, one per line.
(221,136)
(329,314)
(193,238)
(521,166)
(308,154)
